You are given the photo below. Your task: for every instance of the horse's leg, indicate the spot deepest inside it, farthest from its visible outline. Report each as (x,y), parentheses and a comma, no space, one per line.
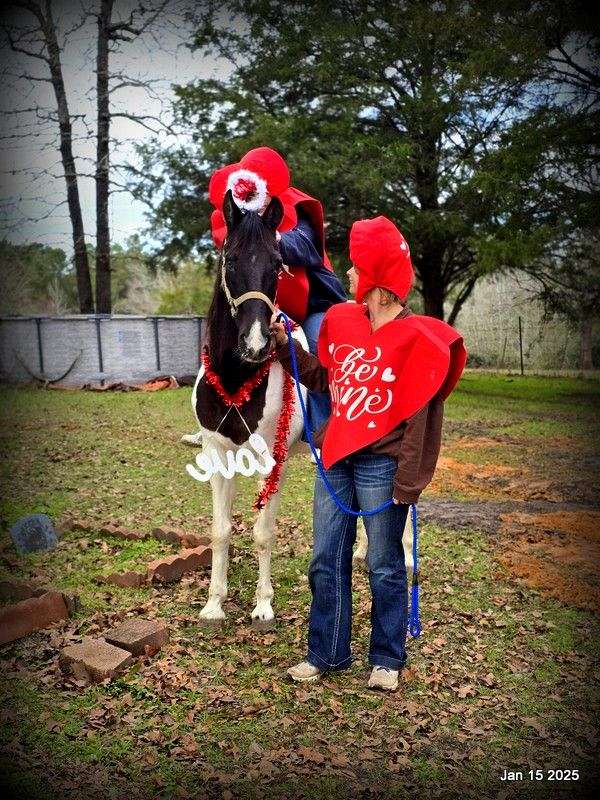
(407,542)
(194,439)
(264,538)
(223,491)
(362,543)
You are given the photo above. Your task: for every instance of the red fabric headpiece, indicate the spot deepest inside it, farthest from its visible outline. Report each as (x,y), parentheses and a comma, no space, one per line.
(381,256)
(262,163)
(260,172)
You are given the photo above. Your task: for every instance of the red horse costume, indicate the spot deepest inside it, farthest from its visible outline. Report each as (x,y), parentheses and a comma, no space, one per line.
(259,173)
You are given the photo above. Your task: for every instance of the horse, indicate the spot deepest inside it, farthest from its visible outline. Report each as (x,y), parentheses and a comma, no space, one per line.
(238,343)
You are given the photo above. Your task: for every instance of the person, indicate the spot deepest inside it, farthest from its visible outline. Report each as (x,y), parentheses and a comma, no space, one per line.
(307,286)
(388,372)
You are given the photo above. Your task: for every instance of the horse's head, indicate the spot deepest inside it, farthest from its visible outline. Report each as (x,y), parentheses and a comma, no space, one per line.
(250,264)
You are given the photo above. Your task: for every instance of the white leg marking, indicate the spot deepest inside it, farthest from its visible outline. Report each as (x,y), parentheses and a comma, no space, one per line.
(362,543)
(264,538)
(407,538)
(223,492)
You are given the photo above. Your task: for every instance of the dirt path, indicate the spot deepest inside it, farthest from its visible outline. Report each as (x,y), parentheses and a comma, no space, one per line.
(553,548)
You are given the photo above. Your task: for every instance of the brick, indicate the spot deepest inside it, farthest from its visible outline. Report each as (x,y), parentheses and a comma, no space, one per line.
(12,591)
(180,537)
(135,635)
(193,540)
(125,533)
(171,568)
(109,529)
(80,525)
(97,657)
(120,532)
(31,615)
(125,580)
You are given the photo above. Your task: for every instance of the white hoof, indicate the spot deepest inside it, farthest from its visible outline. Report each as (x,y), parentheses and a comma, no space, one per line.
(192,438)
(263,613)
(212,612)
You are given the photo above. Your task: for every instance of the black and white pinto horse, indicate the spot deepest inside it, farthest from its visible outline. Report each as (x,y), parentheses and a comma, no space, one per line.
(238,341)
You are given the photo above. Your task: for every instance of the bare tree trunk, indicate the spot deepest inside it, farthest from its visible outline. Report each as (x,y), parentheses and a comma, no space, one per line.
(461,299)
(103,271)
(82,269)
(585,344)
(432,282)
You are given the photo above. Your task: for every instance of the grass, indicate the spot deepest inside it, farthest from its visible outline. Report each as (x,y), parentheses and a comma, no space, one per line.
(501,677)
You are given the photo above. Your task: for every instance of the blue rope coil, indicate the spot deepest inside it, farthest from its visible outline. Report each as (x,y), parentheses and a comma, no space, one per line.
(414,621)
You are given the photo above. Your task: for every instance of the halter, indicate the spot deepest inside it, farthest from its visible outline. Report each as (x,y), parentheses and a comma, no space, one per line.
(235,302)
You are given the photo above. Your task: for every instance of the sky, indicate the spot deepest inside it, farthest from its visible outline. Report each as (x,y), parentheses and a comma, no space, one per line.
(33,184)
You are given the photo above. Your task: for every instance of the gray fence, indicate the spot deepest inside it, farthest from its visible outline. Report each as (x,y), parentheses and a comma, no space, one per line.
(97,349)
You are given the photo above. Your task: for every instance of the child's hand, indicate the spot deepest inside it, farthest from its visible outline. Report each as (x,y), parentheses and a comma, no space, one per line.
(278,332)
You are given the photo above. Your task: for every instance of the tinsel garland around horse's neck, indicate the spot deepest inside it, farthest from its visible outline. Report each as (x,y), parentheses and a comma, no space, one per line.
(222,343)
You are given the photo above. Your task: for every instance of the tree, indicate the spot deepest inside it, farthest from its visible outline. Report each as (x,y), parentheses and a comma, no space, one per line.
(405,109)
(36,36)
(111,32)
(37,39)
(36,279)
(563,186)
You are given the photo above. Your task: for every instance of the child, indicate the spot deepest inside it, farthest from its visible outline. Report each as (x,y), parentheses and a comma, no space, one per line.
(388,372)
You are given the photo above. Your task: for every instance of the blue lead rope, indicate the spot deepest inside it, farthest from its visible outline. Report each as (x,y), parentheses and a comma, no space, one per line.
(414,624)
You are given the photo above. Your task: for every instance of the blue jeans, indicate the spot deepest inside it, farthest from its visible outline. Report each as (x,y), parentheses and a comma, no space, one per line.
(364,481)
(319,403)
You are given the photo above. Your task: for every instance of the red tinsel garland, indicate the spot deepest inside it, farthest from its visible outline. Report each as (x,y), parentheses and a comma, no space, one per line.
(245,391)
(280,446)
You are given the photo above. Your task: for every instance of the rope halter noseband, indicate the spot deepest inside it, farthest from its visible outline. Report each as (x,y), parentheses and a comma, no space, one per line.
(235,302)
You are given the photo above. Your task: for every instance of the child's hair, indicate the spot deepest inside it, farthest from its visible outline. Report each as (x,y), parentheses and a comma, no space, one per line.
(389,297)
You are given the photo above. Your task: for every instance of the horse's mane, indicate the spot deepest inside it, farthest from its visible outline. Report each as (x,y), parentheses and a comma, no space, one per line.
(249,233)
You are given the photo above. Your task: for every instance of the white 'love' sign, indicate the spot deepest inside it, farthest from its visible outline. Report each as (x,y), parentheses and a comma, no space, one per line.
(243,461)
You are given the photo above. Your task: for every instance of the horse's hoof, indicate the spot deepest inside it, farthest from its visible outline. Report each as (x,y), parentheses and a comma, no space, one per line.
(263,625)
(193,439)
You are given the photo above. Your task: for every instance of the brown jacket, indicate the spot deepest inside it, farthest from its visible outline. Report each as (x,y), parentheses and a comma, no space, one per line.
(415,443)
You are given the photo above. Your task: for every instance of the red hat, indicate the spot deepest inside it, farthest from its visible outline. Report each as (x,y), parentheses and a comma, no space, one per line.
(381,256)
(260,172)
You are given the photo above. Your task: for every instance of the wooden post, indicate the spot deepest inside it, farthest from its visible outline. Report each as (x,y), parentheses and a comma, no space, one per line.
(521,345)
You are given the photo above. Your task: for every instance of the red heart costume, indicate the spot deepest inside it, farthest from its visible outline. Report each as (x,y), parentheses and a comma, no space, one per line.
(379,379)
(263,171)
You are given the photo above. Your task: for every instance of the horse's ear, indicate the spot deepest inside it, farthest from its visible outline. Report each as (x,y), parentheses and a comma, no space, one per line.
(231,211)
(273,214)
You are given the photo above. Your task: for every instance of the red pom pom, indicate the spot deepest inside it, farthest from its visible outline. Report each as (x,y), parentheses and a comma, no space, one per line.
(244,189)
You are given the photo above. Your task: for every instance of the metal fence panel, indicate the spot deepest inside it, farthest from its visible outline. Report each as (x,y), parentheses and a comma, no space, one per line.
(98,349)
